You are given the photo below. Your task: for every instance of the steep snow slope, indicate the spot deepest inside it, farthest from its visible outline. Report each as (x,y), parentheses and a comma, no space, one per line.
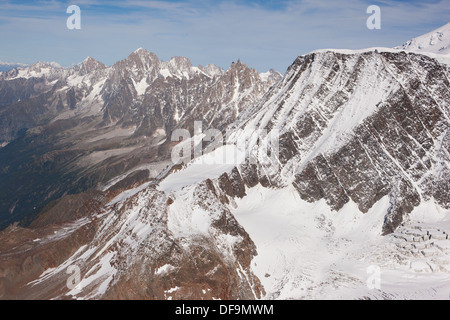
(307,251)
(356,126)
(93,124)
(360,183)
(436,41)
(156,245)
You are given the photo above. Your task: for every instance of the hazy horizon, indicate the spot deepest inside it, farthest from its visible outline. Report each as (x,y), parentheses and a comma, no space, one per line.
(262,34)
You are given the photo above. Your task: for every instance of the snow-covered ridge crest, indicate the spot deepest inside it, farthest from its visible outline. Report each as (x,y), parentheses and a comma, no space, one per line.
(334,107)
(442,58)
(143,66)
(7,66)
(37,70)
(364,141)
(436,41)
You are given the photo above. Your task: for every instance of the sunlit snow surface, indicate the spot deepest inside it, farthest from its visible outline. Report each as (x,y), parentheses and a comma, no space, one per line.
(436,41)
(307,251)
(208,166)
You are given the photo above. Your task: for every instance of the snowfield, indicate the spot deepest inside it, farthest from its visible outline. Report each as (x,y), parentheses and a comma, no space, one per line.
(307,251)
(208,166)
(348,203)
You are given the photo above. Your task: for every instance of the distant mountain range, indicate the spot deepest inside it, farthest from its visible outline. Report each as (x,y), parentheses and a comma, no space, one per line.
(353,176)
(6,66)
(115,118)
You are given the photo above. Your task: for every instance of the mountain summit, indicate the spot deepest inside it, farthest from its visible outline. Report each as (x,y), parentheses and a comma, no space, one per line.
(6,66)
(437,41)
(351,177)
(140,97)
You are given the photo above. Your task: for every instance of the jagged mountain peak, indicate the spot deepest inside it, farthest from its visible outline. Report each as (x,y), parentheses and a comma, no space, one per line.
(140,60)
(144,54)
(330,106)
(180,64)
(271,76)
(37,70)
(88,60)
(240,74)
(140,50)
(40,64)
(359,132)
(55,64)
(238,65)
(212,70)
(89,65)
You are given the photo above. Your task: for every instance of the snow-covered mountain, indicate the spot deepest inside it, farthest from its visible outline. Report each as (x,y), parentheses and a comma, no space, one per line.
(6,66)
(334,110)
(363,152)
(347,196)
(109,128)
(437,41)
(98,123)
(92,89)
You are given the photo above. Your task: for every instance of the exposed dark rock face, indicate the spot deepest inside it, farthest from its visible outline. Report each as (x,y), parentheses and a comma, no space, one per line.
(90,124)
(352,127)
(146,259)
(398,147)
(26,253)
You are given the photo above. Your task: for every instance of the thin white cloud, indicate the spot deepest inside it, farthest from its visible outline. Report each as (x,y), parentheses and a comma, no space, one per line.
(155,4)
(222,32)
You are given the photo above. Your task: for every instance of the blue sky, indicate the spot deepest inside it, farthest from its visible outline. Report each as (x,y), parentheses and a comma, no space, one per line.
(263,34)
